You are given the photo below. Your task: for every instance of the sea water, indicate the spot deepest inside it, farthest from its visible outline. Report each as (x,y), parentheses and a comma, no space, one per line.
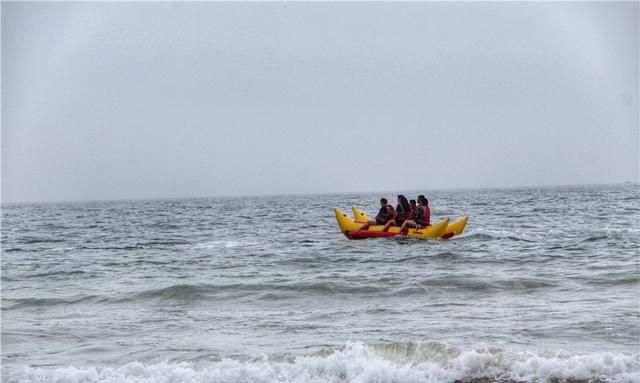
(543,286)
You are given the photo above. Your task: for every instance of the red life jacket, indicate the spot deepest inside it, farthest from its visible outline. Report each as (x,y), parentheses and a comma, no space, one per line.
(423,218)
(391,210)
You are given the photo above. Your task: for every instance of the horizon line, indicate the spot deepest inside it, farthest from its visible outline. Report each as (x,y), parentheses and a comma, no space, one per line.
(2,203)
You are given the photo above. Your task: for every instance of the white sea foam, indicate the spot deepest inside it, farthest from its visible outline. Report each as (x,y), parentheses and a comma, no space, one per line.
(223,244)
(506,234)
(359,363)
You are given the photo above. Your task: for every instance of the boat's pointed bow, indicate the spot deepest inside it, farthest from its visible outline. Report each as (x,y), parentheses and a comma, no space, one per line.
(345,222)
(359,216)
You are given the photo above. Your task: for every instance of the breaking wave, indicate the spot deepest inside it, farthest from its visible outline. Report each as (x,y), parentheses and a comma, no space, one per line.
(357,362)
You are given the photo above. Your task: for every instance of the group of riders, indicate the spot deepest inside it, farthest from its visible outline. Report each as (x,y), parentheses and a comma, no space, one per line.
(406,214)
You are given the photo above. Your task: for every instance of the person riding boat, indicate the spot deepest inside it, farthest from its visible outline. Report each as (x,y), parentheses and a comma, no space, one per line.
(403,213)
(414,208)
(422,218)
(384,215)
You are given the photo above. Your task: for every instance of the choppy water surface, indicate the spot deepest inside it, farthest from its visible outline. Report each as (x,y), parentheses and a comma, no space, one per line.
(544,285)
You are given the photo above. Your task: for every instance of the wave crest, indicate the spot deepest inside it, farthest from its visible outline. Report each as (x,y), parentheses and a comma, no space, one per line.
(358,362)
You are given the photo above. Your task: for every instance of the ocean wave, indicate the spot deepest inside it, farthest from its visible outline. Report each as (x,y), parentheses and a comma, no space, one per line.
(31,241)
(616,279)
(360,363)
(201,291)
(58,273)
(12,249)
(283,290)
(477,284)
(44,302)
(192,292)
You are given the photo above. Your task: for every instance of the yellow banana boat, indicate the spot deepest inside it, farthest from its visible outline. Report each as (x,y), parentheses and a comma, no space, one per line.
(455,228)
(349,227)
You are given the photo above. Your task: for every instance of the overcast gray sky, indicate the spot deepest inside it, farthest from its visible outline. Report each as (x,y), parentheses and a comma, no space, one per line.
(136,100)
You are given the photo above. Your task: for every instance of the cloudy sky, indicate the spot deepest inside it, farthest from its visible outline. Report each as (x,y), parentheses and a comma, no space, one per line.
(148,100)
